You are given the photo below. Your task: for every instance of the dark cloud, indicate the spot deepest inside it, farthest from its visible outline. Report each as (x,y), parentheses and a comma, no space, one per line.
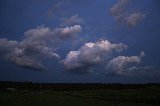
(26,62)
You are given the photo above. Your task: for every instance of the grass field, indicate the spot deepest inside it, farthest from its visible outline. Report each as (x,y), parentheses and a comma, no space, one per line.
(148,96)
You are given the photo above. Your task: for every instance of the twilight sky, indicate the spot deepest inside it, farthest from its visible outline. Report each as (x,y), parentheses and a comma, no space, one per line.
(101,41)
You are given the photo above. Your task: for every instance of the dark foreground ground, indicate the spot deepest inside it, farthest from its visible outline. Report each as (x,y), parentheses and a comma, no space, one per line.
(86,95)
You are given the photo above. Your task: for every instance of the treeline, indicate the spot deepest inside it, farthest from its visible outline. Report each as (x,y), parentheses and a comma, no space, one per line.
(70,86)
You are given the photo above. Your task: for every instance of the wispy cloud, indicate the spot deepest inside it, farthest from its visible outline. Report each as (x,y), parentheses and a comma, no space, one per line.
(75,19)
(59,8)
(134,18)
(120,11)
(117,11)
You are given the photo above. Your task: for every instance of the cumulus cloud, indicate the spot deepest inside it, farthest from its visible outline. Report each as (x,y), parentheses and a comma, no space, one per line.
(134,18)
(75,19)
(122,64)
(121,14)
(91,54)
(58,33)
(6,45)
(38,44)
(68,31)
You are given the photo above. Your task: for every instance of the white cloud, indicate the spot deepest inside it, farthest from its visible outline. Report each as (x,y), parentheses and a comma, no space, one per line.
(68,31)
(71,60)
(58,33)
(75,19)
(91,54)
(37,45)
(122,64)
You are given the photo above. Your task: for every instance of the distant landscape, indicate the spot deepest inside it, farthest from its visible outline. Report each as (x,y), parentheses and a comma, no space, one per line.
(78,94)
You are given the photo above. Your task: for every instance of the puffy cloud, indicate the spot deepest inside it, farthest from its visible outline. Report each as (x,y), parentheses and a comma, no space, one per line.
(91,54)
(122,64)
(121,14)
(58,33)
(134,18)
(71,60)
(68,31)
(75,19)
(37,45)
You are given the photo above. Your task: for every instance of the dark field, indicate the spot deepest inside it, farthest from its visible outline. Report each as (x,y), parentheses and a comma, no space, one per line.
(34,94)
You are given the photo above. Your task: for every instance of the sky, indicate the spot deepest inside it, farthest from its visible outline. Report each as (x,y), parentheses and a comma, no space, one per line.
(80,41)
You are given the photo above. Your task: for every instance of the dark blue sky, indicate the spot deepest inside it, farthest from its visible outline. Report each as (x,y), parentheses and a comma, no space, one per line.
(80,41)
